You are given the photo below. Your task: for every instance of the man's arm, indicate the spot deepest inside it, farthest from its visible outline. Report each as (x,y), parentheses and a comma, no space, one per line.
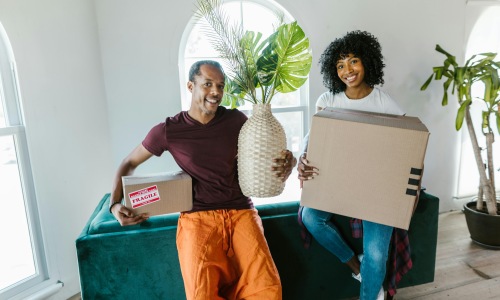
(124,215)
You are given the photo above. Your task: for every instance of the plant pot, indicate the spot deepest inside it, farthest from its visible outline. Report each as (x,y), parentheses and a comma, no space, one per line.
(483,228)
(261,139)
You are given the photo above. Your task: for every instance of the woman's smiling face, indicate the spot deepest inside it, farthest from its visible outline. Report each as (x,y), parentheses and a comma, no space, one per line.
(351,71)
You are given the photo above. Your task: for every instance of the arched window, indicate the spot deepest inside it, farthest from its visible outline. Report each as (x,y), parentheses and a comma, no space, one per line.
(290,109)
(22,261)
(484,37)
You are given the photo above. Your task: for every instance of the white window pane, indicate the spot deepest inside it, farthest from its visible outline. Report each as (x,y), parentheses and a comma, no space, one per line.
(286,100)
(292,123)
(16,256)
(258,18)
(198,45)
(233,11)
(484,36)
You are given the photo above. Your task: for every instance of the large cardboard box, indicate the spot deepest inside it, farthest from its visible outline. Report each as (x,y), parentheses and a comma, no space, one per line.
(370,165)
(158,194)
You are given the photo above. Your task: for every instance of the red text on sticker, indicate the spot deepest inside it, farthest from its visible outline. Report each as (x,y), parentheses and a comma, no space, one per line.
(144,197)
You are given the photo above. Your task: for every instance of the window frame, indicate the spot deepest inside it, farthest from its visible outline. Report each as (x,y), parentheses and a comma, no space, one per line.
(10,99)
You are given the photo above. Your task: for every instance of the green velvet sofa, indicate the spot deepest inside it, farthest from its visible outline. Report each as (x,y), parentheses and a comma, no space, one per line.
(140,261)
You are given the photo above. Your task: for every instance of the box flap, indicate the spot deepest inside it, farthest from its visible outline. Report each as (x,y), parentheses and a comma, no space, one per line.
(150,178)
(351,115)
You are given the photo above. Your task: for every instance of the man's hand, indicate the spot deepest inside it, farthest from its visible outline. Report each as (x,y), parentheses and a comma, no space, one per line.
(284,164)
(126,217)
(306,171)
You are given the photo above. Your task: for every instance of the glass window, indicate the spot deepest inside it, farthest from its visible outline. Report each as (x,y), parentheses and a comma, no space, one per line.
(484,37)
(290,109)
(17,262)
(22,263)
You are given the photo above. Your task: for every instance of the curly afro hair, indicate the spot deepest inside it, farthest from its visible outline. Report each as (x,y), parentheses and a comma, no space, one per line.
(362,45)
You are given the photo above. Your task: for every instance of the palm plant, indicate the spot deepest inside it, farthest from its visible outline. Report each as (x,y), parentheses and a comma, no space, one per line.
(478,68)
(257,68)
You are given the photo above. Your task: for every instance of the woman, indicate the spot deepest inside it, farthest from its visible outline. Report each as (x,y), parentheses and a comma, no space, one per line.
(351,67)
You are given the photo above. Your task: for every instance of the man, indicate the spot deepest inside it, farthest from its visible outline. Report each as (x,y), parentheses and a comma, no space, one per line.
(222,250)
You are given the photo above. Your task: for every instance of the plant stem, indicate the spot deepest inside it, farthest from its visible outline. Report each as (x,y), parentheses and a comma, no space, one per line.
(490,139)
(485,183)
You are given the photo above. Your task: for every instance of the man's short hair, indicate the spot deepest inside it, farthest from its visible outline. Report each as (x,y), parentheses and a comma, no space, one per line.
(195,68)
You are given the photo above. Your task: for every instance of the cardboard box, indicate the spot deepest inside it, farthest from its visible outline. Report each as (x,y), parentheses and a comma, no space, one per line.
(370,165)
(158,194)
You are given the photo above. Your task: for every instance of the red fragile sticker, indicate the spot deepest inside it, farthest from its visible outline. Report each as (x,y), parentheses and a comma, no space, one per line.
(144,197)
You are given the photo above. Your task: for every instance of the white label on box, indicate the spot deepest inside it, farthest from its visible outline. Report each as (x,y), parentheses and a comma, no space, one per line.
(144,197)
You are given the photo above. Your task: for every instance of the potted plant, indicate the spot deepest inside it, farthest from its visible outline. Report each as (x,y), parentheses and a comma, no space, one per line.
(257,69)
(483,223)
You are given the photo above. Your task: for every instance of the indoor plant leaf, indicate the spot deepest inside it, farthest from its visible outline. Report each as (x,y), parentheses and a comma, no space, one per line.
(286,61)
(478,68)
(460,115)
(427,82)
(497,114)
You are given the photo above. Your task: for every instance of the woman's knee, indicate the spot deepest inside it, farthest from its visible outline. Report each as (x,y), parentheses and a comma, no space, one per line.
(316,221)
(312,217)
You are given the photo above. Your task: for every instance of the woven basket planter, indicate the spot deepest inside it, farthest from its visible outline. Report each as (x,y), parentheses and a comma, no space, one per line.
(261,139)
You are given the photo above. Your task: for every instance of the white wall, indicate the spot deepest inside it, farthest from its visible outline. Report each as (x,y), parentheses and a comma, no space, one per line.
(139,47)
(56,48)
(83,117)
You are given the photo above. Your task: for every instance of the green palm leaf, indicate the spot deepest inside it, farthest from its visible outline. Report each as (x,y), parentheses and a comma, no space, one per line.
(279,63)
(286,60)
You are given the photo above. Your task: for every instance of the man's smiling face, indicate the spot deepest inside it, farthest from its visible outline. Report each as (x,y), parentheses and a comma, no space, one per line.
(207,90)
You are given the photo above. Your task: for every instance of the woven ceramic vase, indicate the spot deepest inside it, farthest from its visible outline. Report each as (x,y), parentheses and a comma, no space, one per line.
(261,139)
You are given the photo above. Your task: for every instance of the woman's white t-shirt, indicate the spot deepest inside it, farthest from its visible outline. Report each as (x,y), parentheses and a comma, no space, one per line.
(377,101)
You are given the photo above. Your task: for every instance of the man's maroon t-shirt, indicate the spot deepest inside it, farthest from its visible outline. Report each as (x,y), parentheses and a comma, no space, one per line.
(208,153)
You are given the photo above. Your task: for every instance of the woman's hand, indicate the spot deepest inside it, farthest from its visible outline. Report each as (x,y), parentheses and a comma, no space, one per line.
(125,216)
(306,171)
(283,165)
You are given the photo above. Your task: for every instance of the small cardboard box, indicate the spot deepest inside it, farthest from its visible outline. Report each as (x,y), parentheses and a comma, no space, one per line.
(158,194)
(370,165)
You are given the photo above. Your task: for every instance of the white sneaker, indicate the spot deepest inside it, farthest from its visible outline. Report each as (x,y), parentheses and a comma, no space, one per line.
(381,294)
(358,277)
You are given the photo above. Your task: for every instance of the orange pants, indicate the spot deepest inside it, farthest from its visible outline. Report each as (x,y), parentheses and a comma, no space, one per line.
(223,254)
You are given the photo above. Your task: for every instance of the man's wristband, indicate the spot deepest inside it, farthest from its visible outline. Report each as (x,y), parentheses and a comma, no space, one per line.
(113,204)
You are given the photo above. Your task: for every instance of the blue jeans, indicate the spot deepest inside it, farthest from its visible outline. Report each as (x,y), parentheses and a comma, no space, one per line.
(376,240)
